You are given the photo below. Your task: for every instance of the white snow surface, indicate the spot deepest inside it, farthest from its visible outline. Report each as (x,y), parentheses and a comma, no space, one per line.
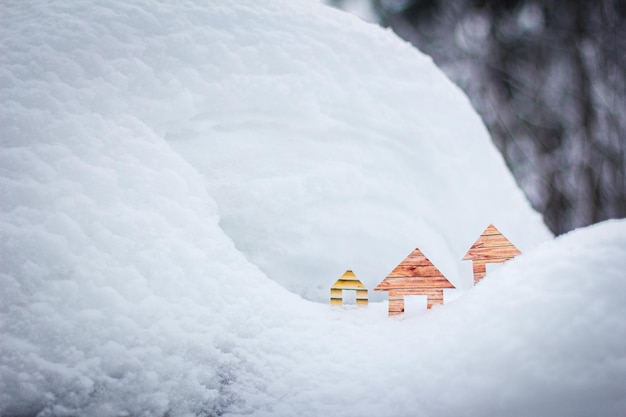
(178,178)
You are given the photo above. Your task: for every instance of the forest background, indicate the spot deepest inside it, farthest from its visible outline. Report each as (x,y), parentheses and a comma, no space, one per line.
(548,78)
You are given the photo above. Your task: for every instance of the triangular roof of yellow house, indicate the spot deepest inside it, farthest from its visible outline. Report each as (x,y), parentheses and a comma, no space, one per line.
(492,245)
(416,271)
(348,281)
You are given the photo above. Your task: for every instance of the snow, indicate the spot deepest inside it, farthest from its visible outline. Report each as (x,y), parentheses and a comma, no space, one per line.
(181,184)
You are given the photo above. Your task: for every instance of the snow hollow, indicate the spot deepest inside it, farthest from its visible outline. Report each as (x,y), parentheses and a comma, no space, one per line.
(181,183)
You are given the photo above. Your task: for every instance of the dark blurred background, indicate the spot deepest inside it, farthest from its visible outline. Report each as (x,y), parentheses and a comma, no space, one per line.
(548,78)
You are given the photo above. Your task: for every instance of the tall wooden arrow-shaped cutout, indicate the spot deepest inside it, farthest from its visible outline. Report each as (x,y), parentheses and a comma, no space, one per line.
(491,247)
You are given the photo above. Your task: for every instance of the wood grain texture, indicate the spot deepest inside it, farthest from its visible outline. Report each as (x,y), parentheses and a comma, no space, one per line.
(415,275)
(390,283)
(499,252)
(480,270)
(338,302)
(490,247)
(491,244)
(416,271)
(396,306)
(430,292)
(348,282)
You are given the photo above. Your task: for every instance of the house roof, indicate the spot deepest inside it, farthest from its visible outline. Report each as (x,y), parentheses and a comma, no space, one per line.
(416,271)
(491,245)
(348,281)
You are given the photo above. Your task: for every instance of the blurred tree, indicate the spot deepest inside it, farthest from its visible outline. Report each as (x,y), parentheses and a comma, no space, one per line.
(548,78)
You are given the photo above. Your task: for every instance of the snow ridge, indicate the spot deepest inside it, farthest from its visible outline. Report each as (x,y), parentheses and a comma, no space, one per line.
(165,165)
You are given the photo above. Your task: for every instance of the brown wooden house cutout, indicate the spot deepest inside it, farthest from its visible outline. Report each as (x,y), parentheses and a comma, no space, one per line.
(416,275)
(491,247)
(348,281)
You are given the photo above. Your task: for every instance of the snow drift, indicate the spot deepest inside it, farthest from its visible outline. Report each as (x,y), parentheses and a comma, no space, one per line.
(160,161)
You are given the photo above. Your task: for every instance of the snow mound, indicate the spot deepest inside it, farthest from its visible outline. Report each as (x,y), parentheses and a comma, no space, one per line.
(327,143)
(164,166)
(542,335)
(115,275)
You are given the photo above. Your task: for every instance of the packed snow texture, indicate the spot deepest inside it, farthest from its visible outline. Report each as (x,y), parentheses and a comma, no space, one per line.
(303,122)
(165,166)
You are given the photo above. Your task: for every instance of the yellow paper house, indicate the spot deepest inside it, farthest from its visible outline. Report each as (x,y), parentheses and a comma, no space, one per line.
(349,282)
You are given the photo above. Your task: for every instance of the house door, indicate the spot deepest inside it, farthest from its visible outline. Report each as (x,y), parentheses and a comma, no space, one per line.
(349,297)
(414,305)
